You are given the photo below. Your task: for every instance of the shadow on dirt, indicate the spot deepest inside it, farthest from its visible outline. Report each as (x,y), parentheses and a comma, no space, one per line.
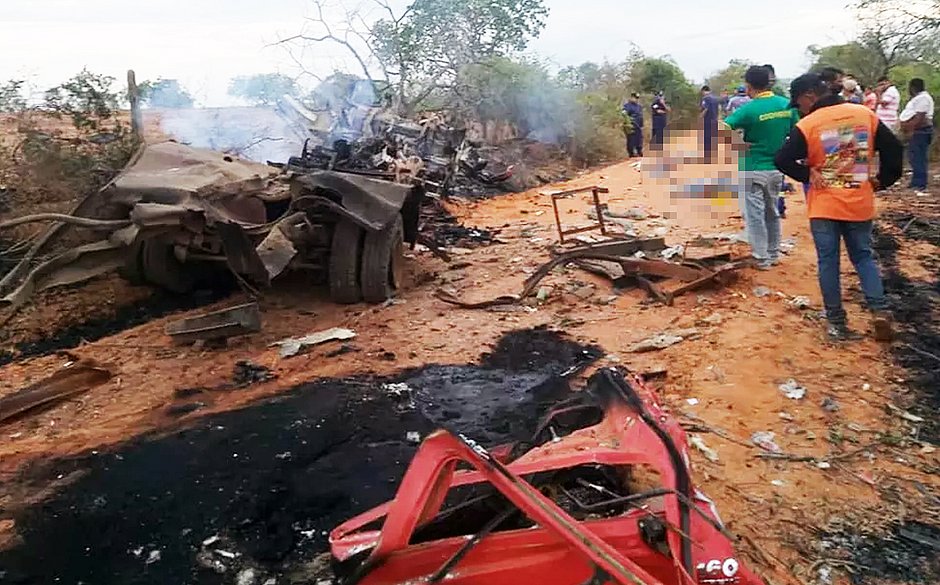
(158,305)
(255,491)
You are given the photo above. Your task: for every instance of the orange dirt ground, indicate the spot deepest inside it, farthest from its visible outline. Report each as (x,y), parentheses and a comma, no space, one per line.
(749,345)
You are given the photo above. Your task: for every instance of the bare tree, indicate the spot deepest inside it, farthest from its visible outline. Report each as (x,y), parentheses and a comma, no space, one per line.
(424,49)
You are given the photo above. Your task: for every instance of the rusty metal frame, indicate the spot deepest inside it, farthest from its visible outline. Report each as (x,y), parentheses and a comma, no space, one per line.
(595,192)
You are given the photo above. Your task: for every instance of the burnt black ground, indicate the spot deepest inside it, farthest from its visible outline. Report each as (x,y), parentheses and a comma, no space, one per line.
(898,556)
(272,478)
(913,302)
(158,305)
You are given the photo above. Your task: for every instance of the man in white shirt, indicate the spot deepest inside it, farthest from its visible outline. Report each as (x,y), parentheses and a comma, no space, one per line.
(917,120)
(889,100)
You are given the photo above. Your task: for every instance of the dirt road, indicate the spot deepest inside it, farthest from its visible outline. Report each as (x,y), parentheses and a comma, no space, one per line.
(797,521)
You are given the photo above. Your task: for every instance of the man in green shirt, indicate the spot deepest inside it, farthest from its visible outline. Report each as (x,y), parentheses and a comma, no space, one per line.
(765,122)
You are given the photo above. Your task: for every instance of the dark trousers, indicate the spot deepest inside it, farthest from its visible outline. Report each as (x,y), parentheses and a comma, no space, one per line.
(709,133)
(828,235)
(657,137)
(635,142)
(917,155)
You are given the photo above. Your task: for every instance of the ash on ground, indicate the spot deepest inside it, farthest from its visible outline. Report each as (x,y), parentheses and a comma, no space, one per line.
(251,495)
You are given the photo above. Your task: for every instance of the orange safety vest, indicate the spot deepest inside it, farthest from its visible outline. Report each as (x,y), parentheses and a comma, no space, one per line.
(840,144)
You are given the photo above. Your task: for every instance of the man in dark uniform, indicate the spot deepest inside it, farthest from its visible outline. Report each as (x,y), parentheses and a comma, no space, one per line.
(709,122)
(634,111)
(660,117)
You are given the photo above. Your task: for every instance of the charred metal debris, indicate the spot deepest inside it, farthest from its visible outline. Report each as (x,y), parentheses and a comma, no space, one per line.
(179,218)
(625,264)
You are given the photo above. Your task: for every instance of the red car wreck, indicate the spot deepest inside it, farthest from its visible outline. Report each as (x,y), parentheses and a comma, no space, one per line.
(602,494)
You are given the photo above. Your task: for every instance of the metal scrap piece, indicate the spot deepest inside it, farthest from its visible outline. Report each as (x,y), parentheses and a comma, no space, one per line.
(64,384)
(222,324)
(293,345)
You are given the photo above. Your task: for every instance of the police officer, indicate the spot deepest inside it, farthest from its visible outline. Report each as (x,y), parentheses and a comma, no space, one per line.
(634,112)
(660,111)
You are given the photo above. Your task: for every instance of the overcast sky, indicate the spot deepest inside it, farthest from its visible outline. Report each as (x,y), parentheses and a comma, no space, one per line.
(204,43)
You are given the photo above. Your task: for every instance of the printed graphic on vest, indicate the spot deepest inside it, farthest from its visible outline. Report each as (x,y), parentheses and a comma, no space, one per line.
(846,149)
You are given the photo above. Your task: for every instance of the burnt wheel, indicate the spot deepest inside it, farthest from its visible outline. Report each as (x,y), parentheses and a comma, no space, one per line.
(383,262)
(162,268)
(133,269)
(345,253)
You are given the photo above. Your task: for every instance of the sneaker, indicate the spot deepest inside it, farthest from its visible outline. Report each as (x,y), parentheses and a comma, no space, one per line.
(764,264)
(882,327)
(922,193)
(841,332)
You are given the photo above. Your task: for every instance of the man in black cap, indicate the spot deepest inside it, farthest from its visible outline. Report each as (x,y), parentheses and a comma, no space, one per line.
(833,148)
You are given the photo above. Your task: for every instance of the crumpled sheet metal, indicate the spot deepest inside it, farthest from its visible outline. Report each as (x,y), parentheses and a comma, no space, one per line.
(372,203)
(170,172)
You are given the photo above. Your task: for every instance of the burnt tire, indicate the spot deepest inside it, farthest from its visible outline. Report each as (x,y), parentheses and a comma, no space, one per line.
(162,268)
(133,269)
(345,253)
(383,262)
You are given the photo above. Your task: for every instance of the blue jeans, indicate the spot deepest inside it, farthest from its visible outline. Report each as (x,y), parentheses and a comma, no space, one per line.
(761,220)
(827,235)
(917,155)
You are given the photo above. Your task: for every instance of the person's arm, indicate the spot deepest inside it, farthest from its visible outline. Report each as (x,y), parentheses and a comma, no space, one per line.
(734,119)
(891,154)
(790,159)
(915,122)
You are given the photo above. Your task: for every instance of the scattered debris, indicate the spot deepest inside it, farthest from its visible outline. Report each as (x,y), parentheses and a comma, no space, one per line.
(413,437)
(663,340)
(672,252)
(247,373)
(765,440)
(74,379)
(222,324)
(699,444)
(793,390)
(153,557)
(762,291)
(904,414)
(294,345)
(829,404)
(800,303)
(598,211)
(246,577)
(625,269)
(713,319)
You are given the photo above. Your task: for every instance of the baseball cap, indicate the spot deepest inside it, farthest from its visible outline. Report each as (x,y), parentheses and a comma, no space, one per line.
(806,83)
(741,89)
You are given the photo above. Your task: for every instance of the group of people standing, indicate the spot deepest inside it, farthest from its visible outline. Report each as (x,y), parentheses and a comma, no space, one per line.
(827,140)
(659,114)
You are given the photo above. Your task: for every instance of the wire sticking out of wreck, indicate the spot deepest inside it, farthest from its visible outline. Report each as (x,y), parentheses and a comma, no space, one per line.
(577,505)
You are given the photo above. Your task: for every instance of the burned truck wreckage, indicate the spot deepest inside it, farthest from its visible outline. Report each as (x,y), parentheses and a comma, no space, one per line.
(343,210)
(603,493)
(176,215)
